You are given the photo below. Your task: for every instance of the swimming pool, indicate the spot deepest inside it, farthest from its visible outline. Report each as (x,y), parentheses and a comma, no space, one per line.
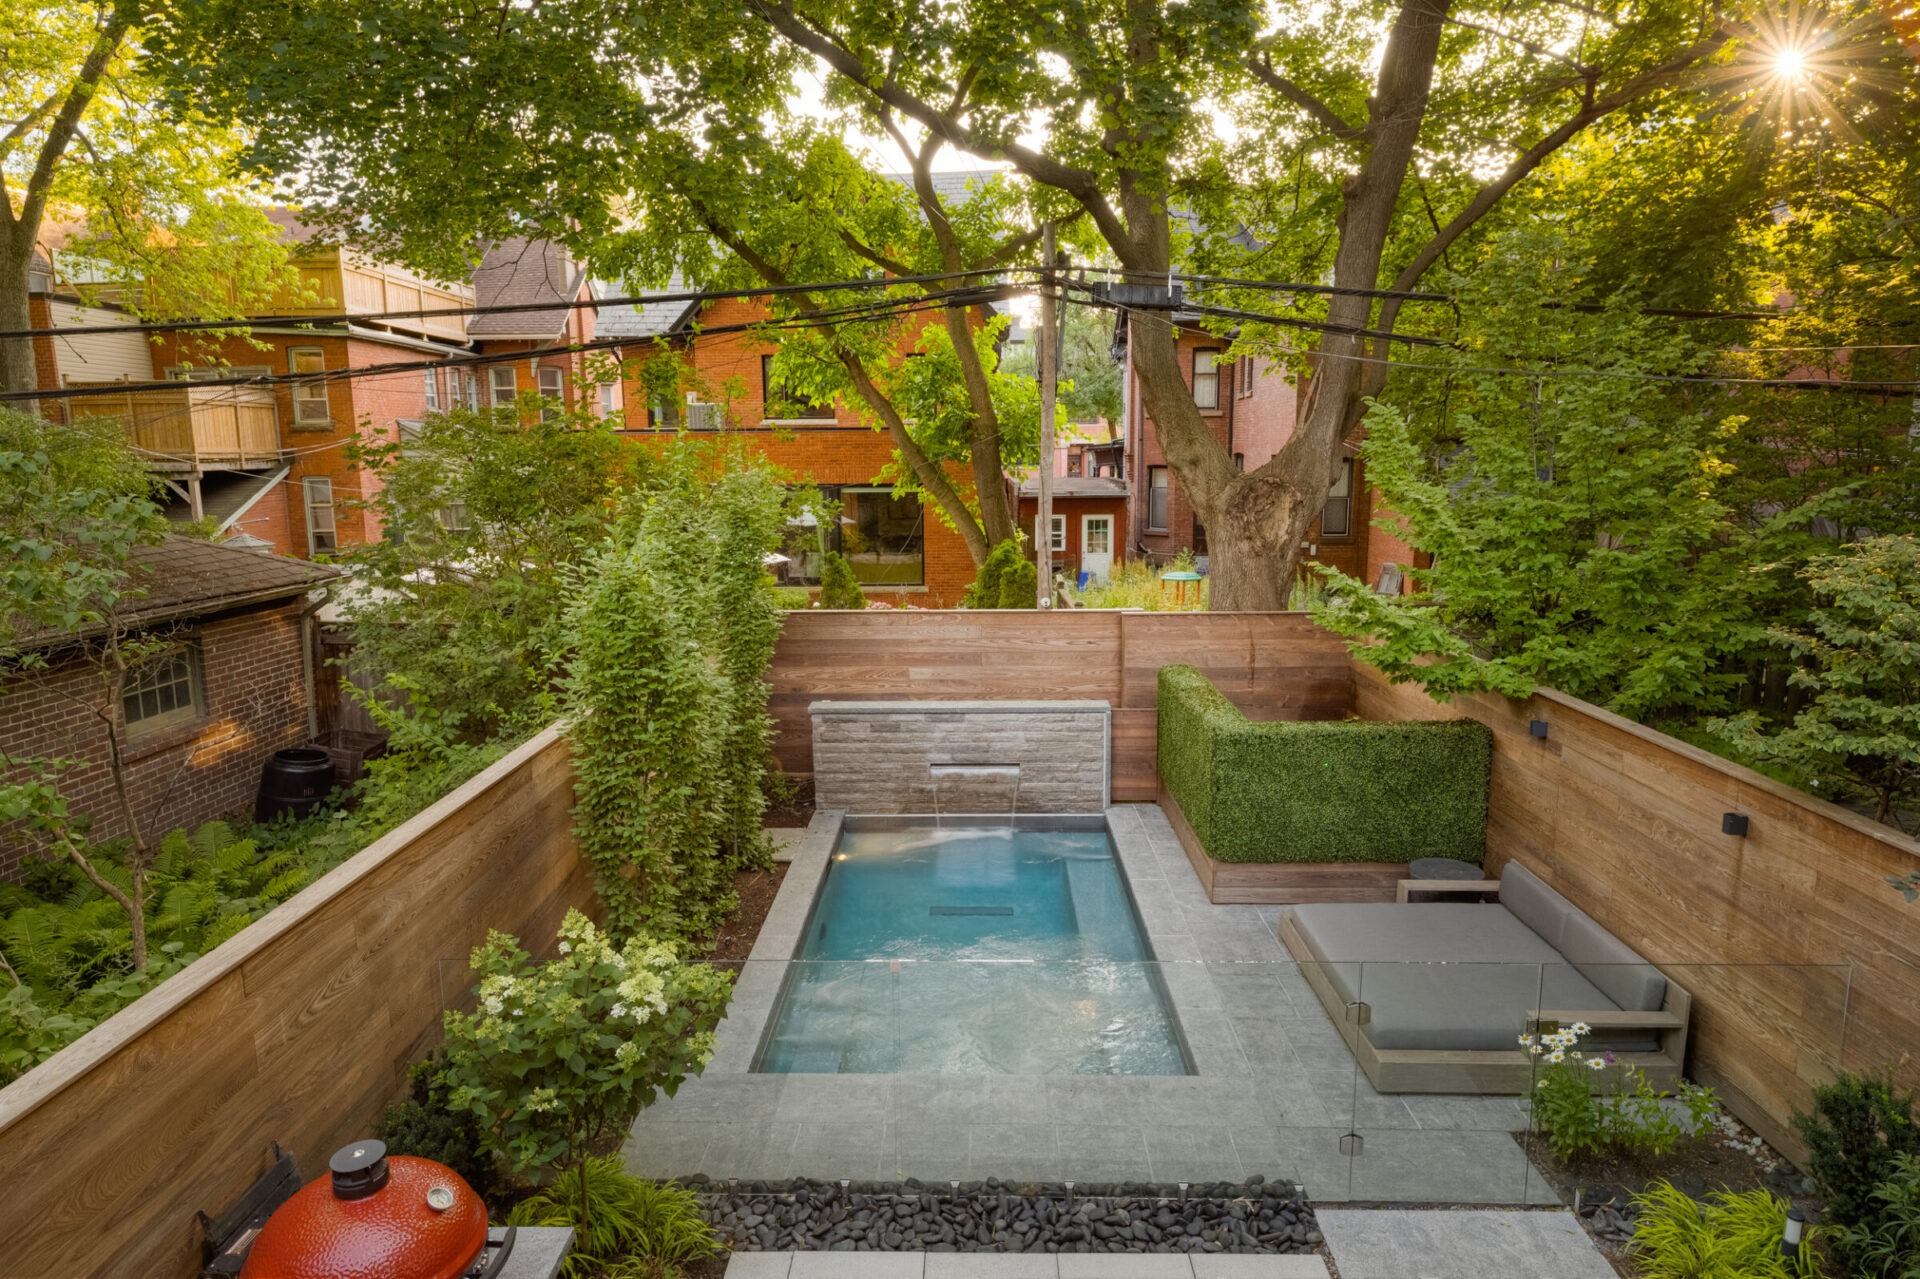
(1005,949)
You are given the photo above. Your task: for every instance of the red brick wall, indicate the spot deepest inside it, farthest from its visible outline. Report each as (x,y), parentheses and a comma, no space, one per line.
(1144,449)
(254,703)
(1068,561)
(844,451)
(46,361)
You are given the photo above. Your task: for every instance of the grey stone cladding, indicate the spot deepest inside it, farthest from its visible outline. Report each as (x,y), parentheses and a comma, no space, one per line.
(961,757)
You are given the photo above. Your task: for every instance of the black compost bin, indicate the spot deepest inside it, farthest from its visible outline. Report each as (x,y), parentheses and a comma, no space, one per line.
(294,781)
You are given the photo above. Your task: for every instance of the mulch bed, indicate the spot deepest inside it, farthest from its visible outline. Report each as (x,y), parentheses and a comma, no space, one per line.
(757,888)
(796,811)
(1729,1156)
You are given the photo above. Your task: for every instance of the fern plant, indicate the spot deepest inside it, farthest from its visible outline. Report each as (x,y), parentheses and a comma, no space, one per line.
(631,1227)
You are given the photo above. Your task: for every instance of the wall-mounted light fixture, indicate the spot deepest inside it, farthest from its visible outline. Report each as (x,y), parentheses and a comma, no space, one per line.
(1536,728)
(1733,824)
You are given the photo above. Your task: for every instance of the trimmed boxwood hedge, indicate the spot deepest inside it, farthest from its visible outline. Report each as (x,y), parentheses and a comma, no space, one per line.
(1321,791)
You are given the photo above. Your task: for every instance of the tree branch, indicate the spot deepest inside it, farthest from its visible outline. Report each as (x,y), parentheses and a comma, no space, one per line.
(60,131)
(1491,194)
(1537,50)
(1262,70)
(1082,184)
(873,255)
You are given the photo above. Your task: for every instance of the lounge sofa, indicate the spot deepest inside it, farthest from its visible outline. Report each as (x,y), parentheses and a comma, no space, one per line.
(1433,996)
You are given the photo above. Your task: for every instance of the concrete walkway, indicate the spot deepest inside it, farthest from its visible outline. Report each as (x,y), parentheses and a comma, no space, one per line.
(987,1265)
(1399,1243)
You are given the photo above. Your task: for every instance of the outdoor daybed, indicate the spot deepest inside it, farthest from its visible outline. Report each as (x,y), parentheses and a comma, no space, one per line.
(1433,996)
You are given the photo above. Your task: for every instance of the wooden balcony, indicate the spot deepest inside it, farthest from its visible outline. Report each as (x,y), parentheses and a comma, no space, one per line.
(193,428)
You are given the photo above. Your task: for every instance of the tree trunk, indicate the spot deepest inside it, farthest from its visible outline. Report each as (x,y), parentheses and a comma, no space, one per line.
(17,369)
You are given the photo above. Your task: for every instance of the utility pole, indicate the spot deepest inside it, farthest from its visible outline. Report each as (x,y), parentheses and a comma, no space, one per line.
(1049,377)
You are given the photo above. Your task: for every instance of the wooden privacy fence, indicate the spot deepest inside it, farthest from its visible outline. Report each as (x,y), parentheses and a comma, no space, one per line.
(1272,665)
(1800,957)
(298,1030)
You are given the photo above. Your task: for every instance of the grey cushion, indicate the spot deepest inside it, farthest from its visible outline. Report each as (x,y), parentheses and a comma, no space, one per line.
(1448,976)
(1610,964)
(1534,904)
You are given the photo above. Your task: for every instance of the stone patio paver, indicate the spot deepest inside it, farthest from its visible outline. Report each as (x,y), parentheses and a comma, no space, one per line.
(1396,1243)
(1273,1092)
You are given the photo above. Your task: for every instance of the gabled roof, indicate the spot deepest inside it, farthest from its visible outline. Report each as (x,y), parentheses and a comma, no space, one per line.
(184,578)
(647,320)
(523,272)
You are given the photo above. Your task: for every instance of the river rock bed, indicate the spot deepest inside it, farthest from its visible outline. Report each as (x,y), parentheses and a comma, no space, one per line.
(992,1216)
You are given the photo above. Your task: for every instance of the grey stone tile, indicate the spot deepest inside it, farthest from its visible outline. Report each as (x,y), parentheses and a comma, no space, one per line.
(1409,1166)
(1214,1047)
(1013,1151)
(1193,1153)
(1108,1265)
(1491,1114)
(1268,1046)
(991,1265)
(1222,1265)
(969,1099)
(1174,948)
(1389,1244)
(1180,1101)
(858,1265)
(822,1099)
(668,1150)
(1098,1099)
(1190,986)
(931,1152)
(727,1098)
(751,1152)
(1102,1152)
(1266,1151)
(830,1151)
(760,1265)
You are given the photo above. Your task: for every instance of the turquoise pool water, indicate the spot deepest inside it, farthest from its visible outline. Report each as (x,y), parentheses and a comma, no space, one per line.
(973,950)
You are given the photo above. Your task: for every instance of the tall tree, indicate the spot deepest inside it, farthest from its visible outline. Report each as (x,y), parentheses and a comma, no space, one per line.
(143,198)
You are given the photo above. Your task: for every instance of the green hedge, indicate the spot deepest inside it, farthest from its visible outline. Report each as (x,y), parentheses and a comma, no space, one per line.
(1327,791)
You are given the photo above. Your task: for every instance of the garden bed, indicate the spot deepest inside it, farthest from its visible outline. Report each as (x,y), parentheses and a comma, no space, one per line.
(733,942)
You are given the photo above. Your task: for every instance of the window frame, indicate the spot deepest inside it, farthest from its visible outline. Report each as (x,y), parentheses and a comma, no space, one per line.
(1057,535)
(184,656)
(1210,379)
(309,485)
(769,393)
(493,386)
(1243,377)
(305,385)
(549,412)
(1163,486)
(883,491)
(433,389)
(609,398)
(1341,492)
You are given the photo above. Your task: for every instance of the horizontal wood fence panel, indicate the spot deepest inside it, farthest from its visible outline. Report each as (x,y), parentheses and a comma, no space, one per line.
(1272,665)
(298,1030)
(1800,957)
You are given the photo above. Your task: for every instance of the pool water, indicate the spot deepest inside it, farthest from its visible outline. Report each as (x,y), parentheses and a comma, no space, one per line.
(973,950)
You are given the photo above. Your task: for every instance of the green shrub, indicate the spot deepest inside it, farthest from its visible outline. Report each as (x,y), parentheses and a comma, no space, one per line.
(1856,1134)
(424,1124)
(839,588)
(1889,1248)
(1336,791)
(1007,580)
(1730,1236)
(629,1227)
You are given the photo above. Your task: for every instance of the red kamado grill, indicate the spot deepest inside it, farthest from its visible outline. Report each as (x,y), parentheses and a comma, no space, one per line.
(374,1216)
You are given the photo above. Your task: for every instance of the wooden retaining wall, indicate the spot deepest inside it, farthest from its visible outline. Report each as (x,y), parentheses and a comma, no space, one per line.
(298,1030)
(1272,665)
(1800,958)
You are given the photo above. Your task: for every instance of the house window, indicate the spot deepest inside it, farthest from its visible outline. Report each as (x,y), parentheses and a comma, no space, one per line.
(433,389)
(609,398)
(472,391)
(1336,517)
(501,386)
(453,517)
(880,535)
(780,405)
(1157,494)
(166,692)
(553,386)
(309,398)
(317,493)
(1206,379)
(1240,461)
(1058,542)
(1243,377)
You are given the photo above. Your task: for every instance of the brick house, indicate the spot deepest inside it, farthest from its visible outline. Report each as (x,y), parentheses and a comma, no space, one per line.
(197,723)
(902,552)
(548,286)
(1251,404)
(1090,500)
